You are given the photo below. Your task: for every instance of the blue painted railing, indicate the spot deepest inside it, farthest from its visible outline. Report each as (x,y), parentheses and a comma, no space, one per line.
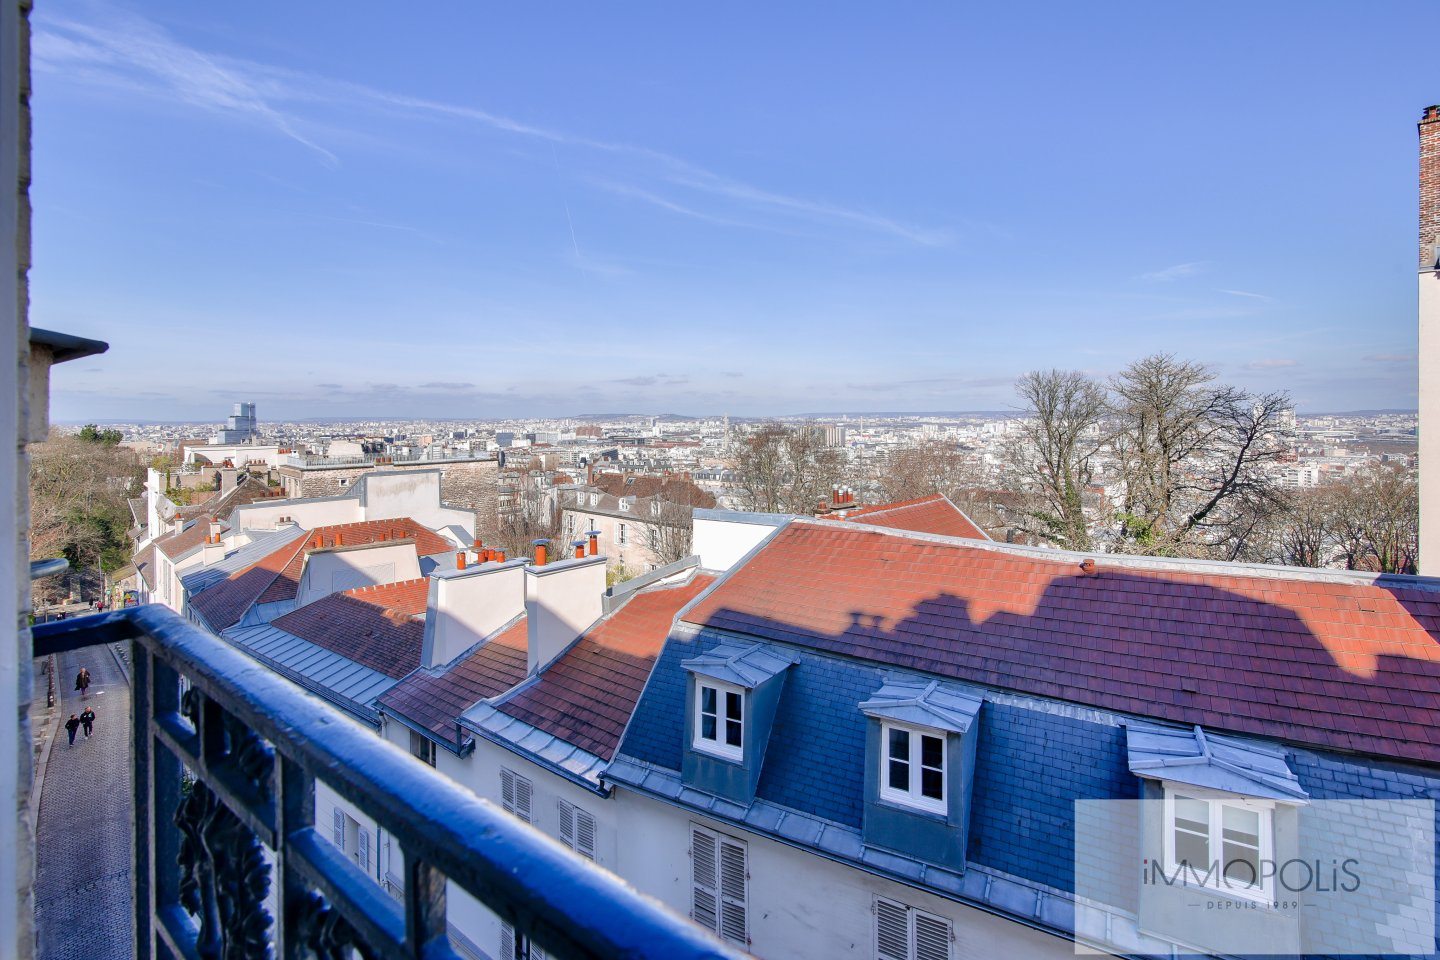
(225,765)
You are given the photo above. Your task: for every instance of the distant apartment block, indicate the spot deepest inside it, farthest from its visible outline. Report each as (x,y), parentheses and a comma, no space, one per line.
(469,482)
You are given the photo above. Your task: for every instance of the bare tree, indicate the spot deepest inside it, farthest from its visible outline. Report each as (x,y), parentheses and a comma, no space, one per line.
(929,467)
(1304,537)
(667,531)
(1194,456)
(780,469)
(1374,519)
(1053,455)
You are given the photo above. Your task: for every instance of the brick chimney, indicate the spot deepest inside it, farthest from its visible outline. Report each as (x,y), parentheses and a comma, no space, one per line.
(1429,358)
(1429,186)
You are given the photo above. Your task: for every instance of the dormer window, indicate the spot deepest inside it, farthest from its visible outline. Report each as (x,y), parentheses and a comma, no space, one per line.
(720,719)
(914,767)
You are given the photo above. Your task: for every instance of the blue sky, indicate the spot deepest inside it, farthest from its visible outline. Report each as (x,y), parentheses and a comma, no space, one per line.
(481,210)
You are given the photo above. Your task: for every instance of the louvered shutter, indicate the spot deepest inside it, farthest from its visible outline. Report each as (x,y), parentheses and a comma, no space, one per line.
(362,855)
(338,828)
(507,936)
(522,798)
(732,891)
(584,834)
(892,931)
(932,937)
(704,882)
(567,823)
(507,790)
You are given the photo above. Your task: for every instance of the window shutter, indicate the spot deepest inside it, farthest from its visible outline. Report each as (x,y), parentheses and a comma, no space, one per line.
(362,855)
(567,823)
(584,834)
(932,937)
(507,941)
(732,892)
(522,799)
(892,931)
(507,790)
(704,900)
(338,834)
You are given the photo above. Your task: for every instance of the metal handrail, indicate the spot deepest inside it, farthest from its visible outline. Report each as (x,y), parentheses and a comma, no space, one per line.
(237,710)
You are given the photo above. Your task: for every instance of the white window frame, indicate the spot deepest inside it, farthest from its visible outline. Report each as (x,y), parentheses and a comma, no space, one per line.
(912,797)
(718,747)
(622,537)
(923,933)
(1217,800)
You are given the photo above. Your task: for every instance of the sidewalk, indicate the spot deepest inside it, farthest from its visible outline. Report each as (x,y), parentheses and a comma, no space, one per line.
(83,859)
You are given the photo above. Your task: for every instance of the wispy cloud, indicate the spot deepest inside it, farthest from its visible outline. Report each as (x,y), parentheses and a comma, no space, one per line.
(1247,294)
(1272,364)
(1391,357)
(1176,272)
(129,52)
(651,380)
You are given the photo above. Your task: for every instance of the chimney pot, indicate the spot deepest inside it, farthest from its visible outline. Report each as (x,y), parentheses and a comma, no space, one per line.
(339,539)
(499,556)
(541,552)
(579,546)
(1087,566)
(460,560)
(594,536)
(318,542)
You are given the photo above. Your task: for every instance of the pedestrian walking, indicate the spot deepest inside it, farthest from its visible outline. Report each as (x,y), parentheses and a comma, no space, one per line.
(87,721)
(71,726)
(82,682)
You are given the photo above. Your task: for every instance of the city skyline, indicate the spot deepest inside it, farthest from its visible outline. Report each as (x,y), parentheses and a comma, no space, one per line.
(501,218)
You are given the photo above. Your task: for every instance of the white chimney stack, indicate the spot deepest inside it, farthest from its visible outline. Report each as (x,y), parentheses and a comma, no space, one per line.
(562,600)
(1429,358)
(466,606)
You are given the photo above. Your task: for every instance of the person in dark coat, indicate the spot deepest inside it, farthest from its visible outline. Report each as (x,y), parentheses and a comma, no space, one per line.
(82,682)
(71,726)
(87,721)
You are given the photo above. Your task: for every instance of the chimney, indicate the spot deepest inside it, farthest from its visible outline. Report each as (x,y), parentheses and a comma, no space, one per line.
(460,560)
(562,600)
(467,605)
(213,549)
(1429,186)
(594,536)
(339,539)
(1429,353)
(540,552)
(498,556)
(579,546)
(317,542)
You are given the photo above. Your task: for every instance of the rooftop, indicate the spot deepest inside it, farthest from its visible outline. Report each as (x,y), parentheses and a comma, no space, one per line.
(1346,662)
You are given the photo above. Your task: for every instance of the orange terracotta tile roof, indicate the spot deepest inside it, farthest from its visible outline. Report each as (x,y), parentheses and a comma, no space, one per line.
(435,700)
(362,624)
(933,514)
(224,604)
(427,543)
(1328,661)
(587,695)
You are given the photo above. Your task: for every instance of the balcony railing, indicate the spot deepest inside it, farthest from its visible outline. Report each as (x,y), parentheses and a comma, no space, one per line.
(224,777)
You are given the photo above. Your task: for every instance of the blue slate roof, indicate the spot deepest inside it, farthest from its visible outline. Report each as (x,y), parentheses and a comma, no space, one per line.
(1205,760)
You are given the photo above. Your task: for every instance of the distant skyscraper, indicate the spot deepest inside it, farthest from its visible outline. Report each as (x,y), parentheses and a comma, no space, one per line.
(240,427)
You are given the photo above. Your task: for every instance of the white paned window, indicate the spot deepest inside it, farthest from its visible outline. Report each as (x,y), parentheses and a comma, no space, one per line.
(1219,841)
(718,880)
(577,829)
(912,767)
(904,933)
(719,719)
(515,792)
(517,946)
(623,537)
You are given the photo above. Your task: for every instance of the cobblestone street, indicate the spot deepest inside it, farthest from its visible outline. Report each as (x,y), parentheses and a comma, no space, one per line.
(82,886)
